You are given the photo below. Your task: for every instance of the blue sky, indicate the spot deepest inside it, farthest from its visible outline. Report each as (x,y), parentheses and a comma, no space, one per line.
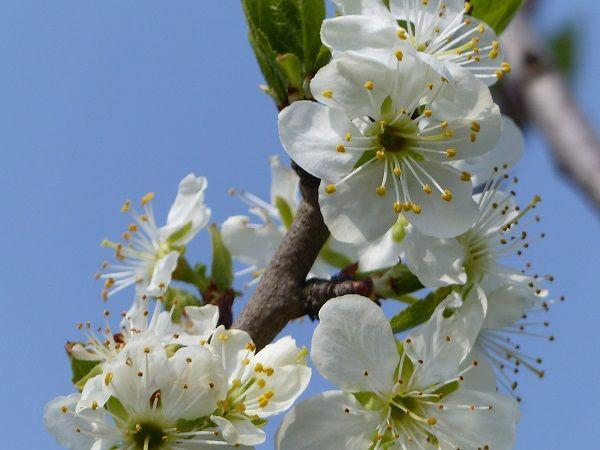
(106,100)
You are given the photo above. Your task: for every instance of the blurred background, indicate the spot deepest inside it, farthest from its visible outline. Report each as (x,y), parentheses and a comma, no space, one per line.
(107,100)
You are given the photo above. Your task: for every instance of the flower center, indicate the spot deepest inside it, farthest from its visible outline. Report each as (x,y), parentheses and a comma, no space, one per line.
(392,142)
(148,436)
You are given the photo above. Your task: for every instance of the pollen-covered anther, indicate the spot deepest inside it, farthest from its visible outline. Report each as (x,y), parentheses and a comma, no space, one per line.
(397,171)
(340,149)
(330,189)
(327,93)
(147,198)
(126,206)
(401,33)
(416,208)
(399,55)
(369,85)
(447,195)
(430,86)
(431,421)
(506,67)
(448,132)
(397,207)
(427,189)
(380,190)
(465,176)
(348,137)
(427,113)
(475,127)
(450,153)
(380,155)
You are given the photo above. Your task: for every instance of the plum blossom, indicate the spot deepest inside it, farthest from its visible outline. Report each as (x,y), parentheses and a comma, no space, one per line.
(148,256)
(400,396)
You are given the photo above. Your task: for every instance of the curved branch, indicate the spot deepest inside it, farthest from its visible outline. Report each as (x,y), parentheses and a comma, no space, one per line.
(550,106)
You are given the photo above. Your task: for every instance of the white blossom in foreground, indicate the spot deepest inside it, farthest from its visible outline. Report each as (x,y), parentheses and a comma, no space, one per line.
(396,396)
(219,393)
(382,139)
(195,328)
(440,30)
(477,258)
(254,244)
(148,256)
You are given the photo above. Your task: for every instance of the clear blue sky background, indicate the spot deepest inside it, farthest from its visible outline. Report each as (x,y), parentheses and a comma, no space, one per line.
(106,100)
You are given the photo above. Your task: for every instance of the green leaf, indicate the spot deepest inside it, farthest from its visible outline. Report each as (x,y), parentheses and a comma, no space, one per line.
(419,312)
(196,276)
(266,58)
(496,13)
(564,48)
(312,14)
(222,265)
(285,211)
(83,371)
(178,299)
(291,67)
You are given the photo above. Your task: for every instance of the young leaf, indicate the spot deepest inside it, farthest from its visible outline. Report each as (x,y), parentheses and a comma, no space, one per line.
(177,300)
(311,16)
(419,312)
(496,13)
(222,266)
(291,67)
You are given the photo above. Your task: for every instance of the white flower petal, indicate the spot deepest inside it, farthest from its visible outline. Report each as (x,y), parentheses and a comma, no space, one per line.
(284,182)
(310,134)
(439,217)
(482,377)
(472,429)
(439,346)
(200,321)
(239,431)
(436,262)
(506,305)
(233,347)
(251,244)
(162,274)
(358,33)
(282,352)
(201,383)
(95,393)
(353,346)
(355,212)
(188,207)
(367,7)
(322,422)
(380,254)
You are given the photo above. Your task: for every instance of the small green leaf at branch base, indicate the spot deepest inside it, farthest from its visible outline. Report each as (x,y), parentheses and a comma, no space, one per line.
(419,312)
(177,300)
(396,283)
(222,265)
(285,212)
(82,371)
(496,13)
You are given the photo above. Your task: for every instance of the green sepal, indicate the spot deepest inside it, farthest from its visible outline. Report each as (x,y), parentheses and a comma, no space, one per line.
(369,400)
(285,211)
(365,157)
(222,265)
(448,389)
(396,283)
(116,409)
(496,13)
(387,107)
(419,312)
(323,58)
(177,299)
(195,276)
(291,67)
(184,426)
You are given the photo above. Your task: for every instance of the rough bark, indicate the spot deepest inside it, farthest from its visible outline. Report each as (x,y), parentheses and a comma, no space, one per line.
(549,105)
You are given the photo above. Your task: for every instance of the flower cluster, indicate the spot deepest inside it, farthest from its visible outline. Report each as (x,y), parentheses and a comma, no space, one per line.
(413,157)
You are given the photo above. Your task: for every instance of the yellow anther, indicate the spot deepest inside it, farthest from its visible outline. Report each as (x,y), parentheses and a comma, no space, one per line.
(383,124)
(126,206)
(481,28)
(398,171)
(240,407)
(506,67)
(399,55)
(425,2)
(380,155)
(109,283)
(236,383)
(495,45)
(245,362)
(465,176)
(448,133)
(427,113)
(427,189)
(473,137)
(341,149)
(430,86)
(261,383)
(270,371)
(475,127)
(380,190)
(327,93)
(269,394)
(259,368)
(147,198)
(348,137)
(94,405)
(369,85)
(444,124)
(468,7)
(330,189)
(401,33)
(431,421)
(447,195)
(406,206)
(499,74)
(146,350)
(144,218)
(450,153)
(416,208)
(223,336)
(397,207)
(262,402)
(250,346)
(493,54)
(64,409)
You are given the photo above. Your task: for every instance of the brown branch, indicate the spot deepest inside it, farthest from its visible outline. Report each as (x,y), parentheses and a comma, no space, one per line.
(317,292)
(279,296)
(551,107)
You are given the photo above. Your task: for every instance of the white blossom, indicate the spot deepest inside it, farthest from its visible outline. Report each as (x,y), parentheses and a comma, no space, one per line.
(400,396)
(382,139)
(148,256)
(440,30)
